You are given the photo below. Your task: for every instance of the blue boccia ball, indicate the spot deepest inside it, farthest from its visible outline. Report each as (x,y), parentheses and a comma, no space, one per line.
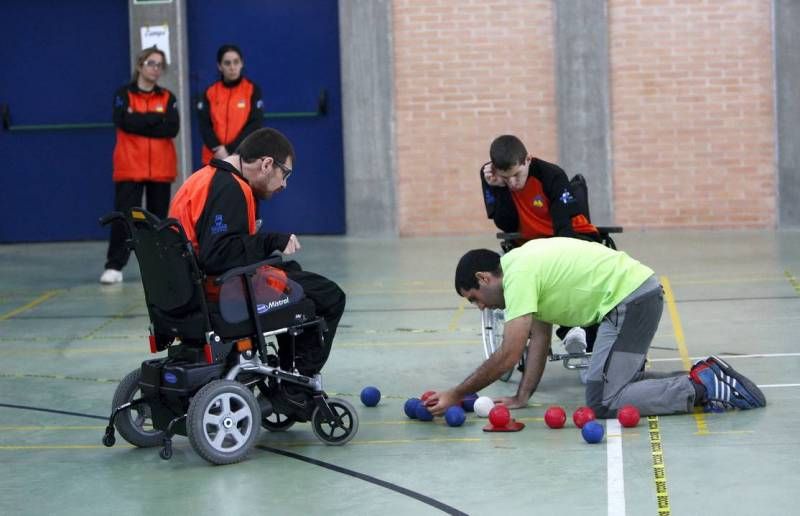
(592,432)
(422,412)
(469,402)
(410,407)
(455,416)
(370,396)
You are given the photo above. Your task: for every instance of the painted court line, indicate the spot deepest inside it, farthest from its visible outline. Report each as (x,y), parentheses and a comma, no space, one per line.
(722,355)
(39,300)
(457,316)
(778,385)
(699,417)
(614,468)
(792,280)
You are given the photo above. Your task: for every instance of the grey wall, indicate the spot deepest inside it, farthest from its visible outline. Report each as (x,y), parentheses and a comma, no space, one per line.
(582,92)
(786,19)
(367,61)
(177,77)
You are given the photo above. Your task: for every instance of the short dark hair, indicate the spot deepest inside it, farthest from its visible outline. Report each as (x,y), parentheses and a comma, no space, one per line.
(477,260)
(266,142)
(507,151)
(228,47)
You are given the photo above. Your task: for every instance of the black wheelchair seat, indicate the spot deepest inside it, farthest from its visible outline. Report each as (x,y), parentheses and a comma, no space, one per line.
(297,313)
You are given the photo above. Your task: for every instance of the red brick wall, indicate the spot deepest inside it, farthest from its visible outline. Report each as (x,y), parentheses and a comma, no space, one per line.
(692,104)
(691,94)
(465,72)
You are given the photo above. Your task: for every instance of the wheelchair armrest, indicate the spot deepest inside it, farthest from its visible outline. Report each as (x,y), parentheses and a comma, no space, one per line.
(246,269)
(167,223)
(508,236)
(609,229)
(108,218)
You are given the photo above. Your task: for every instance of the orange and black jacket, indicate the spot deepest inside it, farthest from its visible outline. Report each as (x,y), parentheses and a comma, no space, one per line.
(217,209)
(545,207)
(228,113)
(146,123)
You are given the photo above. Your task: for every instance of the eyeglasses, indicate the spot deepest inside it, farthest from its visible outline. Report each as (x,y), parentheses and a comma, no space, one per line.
(284,169)
(154,64)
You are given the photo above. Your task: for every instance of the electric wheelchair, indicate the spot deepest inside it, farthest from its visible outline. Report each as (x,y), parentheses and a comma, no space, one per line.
(492,319)
(221,379)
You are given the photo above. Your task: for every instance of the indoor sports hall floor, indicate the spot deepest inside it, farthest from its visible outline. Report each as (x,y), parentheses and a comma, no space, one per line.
(65,342)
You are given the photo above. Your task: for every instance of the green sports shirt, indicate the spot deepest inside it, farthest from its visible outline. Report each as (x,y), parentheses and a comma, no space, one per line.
(567,281)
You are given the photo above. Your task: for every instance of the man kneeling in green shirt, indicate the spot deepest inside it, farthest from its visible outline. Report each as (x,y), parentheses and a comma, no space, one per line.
(570,282)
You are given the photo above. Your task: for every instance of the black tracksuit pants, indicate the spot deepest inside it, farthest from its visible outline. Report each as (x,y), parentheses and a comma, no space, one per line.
(329,301)
(127,195)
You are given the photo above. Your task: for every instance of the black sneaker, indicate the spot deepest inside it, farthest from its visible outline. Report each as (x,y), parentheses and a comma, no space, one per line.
(296,398)
(266,406)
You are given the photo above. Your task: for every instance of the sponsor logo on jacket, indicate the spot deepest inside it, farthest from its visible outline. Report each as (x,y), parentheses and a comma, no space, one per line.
(219,225)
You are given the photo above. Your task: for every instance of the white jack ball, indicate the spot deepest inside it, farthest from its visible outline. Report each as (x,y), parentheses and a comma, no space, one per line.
(483,406)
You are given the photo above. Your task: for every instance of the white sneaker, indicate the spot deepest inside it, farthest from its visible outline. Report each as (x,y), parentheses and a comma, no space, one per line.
(575,341)
(111,276)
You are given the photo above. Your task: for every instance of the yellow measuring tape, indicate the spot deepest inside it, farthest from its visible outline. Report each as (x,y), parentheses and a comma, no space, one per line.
(659,472)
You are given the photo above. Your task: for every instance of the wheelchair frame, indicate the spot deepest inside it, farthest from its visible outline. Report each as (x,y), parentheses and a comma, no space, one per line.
(205,387)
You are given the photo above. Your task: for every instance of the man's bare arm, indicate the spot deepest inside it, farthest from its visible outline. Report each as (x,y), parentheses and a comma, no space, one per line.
(539,345)
(515,337)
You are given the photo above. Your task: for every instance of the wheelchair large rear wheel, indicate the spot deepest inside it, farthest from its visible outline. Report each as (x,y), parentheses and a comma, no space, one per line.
(135,424)
(341,429)
(492,327)
(223,422)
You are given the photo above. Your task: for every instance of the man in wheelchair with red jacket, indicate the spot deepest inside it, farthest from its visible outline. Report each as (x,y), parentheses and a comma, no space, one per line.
(529,198)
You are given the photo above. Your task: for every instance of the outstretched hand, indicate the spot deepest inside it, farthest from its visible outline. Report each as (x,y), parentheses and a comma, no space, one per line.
(439,402)
(293,245)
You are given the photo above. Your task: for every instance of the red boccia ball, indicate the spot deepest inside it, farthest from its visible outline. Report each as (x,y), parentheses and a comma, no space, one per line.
(582,416)
(555,417)
(426,395)
(499,416)
(628,416)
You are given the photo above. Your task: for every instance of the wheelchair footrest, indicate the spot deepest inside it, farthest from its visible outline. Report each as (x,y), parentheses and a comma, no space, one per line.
(572,360)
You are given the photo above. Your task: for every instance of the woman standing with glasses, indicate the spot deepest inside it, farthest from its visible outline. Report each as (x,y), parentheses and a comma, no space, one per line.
(146,118)
(231,108)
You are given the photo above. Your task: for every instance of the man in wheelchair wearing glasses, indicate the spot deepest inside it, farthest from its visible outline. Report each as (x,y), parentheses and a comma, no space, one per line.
(567,281)
(217,207)
(534,199)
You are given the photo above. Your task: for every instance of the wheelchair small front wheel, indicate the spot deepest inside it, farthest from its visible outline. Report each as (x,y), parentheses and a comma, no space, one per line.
(109,440)
(134,424)
(341,428)
(222,422)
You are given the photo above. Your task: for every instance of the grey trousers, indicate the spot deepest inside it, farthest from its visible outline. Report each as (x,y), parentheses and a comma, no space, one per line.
(616,375)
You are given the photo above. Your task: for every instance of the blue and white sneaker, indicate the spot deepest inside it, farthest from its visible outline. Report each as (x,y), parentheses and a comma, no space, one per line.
(723,390)
(742,385)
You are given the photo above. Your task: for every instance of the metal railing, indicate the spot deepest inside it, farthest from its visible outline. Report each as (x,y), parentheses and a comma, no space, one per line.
(5,112)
